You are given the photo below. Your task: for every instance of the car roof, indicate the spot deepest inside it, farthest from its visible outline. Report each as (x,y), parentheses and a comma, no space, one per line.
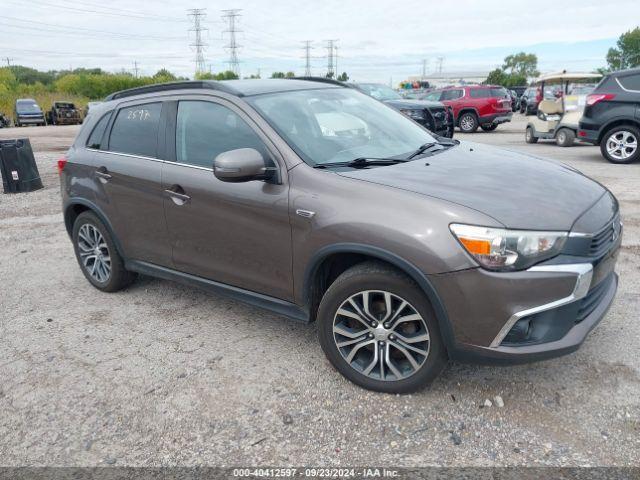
(240,88)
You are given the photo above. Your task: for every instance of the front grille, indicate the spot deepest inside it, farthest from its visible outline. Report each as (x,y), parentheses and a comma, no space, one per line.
(593,299)
(602,241)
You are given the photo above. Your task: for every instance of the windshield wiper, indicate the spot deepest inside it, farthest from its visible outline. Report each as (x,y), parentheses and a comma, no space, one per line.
(362,162)
(428,146)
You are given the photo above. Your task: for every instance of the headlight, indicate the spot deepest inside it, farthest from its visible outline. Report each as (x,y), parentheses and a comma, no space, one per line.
(501,249)
(415,114)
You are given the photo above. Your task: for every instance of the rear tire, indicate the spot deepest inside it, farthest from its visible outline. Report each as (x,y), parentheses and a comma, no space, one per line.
(490,127)
(565,137)
(523,108)
(620,144)
(98,256)
(529,136)
(468,122)
(378,339)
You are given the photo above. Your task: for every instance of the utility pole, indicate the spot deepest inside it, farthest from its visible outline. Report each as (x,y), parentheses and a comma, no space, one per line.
(197,15)
(232,16)
(307,57)
(135,68)
(331,45)
(425,62)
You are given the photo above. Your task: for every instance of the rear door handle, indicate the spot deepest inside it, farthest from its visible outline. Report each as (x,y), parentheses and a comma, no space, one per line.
(178,198)
(103,175)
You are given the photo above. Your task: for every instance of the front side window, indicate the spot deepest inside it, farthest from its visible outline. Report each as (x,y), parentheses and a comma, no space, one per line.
(135,130)
(205,129)
(339,124)
(95,139)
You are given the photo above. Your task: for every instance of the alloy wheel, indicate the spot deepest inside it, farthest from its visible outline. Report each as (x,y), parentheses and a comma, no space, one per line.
(466,123)
(622,145)
(94,253)
(381,335)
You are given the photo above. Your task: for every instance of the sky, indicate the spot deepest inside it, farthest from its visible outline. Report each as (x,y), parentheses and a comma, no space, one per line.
(380,41)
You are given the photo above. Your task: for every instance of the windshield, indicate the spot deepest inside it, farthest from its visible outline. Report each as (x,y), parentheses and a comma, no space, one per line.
(339,124)
(27,106)
(379,92)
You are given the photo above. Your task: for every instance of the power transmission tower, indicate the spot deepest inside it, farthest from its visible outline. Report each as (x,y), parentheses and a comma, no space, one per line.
(425,62)
(232,16)
(307,57)
(136,69)
(197,15)
(8,60)
(331,46)
(335,61)
(440,61)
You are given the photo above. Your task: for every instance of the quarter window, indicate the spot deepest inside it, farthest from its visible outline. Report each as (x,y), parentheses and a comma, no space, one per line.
(135,130)
(630,82)
(95,139)
(205,129)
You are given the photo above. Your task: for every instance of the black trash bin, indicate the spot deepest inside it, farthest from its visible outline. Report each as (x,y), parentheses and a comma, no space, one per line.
(18,166)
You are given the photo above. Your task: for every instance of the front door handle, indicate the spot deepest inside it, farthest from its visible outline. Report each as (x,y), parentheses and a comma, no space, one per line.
(176,193)
(103,174)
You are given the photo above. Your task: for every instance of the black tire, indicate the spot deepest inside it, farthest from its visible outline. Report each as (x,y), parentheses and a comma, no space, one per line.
(375,276)
(468,122)
(489,127)
(565,137)
(620,131)
(529,137)
(523,108)
(118,277)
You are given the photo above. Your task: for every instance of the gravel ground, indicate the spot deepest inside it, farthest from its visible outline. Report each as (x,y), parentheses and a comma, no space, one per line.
(165,375)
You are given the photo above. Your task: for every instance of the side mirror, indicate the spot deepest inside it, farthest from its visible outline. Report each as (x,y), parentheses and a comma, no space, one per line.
(241,165)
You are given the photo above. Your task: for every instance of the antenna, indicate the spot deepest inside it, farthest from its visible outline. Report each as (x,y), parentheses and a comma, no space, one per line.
(197,15)
(231,16)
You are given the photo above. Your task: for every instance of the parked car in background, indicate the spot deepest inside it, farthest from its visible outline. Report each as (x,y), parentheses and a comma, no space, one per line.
(63,113)
(528,104)
(514,100)
(433,115)
(484,106)
(405,249)
(28,112)
(611,116)
(4,120)
(519,90)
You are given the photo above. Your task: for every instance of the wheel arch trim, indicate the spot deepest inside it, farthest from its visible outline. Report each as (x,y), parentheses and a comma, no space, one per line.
(400,263)
(98,212)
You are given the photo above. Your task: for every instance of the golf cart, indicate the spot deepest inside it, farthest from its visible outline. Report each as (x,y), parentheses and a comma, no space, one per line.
(558,115)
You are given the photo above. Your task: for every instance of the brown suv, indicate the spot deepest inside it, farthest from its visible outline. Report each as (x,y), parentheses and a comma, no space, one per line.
(320,203)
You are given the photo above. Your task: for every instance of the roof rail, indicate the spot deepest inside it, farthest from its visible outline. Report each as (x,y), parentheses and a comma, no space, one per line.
(163,87)
(321,80)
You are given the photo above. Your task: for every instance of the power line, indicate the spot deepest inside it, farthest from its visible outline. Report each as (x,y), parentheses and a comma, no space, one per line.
(231,16)
(307,57)
(197,15)
(111,11)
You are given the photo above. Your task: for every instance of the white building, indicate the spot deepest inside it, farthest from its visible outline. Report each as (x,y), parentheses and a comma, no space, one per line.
(451,78)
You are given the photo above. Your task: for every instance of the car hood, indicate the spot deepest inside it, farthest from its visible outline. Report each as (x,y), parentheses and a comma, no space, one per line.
(413,104)
(517,190)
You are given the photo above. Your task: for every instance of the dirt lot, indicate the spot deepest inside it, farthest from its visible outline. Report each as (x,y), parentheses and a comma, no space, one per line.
(162,374)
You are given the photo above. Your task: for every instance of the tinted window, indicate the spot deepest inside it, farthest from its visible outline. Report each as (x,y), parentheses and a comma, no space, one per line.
(631,82)
(480,93)
(451,94)
(205,129)
(499,92)
(135,130)
(95,139)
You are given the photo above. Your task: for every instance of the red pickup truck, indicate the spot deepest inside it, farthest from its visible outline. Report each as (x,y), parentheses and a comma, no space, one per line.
(484,106)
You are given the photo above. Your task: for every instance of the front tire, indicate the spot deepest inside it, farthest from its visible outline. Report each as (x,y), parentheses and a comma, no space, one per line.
(529,136)
(98,256)
(620,144)
(378,329)
(468,122)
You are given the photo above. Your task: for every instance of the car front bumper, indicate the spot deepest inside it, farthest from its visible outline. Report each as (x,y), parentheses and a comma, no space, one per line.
(559,302)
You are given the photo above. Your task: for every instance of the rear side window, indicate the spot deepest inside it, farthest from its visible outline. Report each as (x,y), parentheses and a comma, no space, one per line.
(630,82)
(205,129)
(480,93)
(135,130)
(95,139)
(499,92)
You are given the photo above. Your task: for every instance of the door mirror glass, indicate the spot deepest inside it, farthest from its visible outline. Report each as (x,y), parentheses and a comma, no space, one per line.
(241,165)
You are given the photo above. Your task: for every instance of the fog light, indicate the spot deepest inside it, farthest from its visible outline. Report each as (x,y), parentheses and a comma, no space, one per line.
(520,332)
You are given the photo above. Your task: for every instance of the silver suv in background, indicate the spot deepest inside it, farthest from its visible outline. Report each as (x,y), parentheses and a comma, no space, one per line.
(322,204)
